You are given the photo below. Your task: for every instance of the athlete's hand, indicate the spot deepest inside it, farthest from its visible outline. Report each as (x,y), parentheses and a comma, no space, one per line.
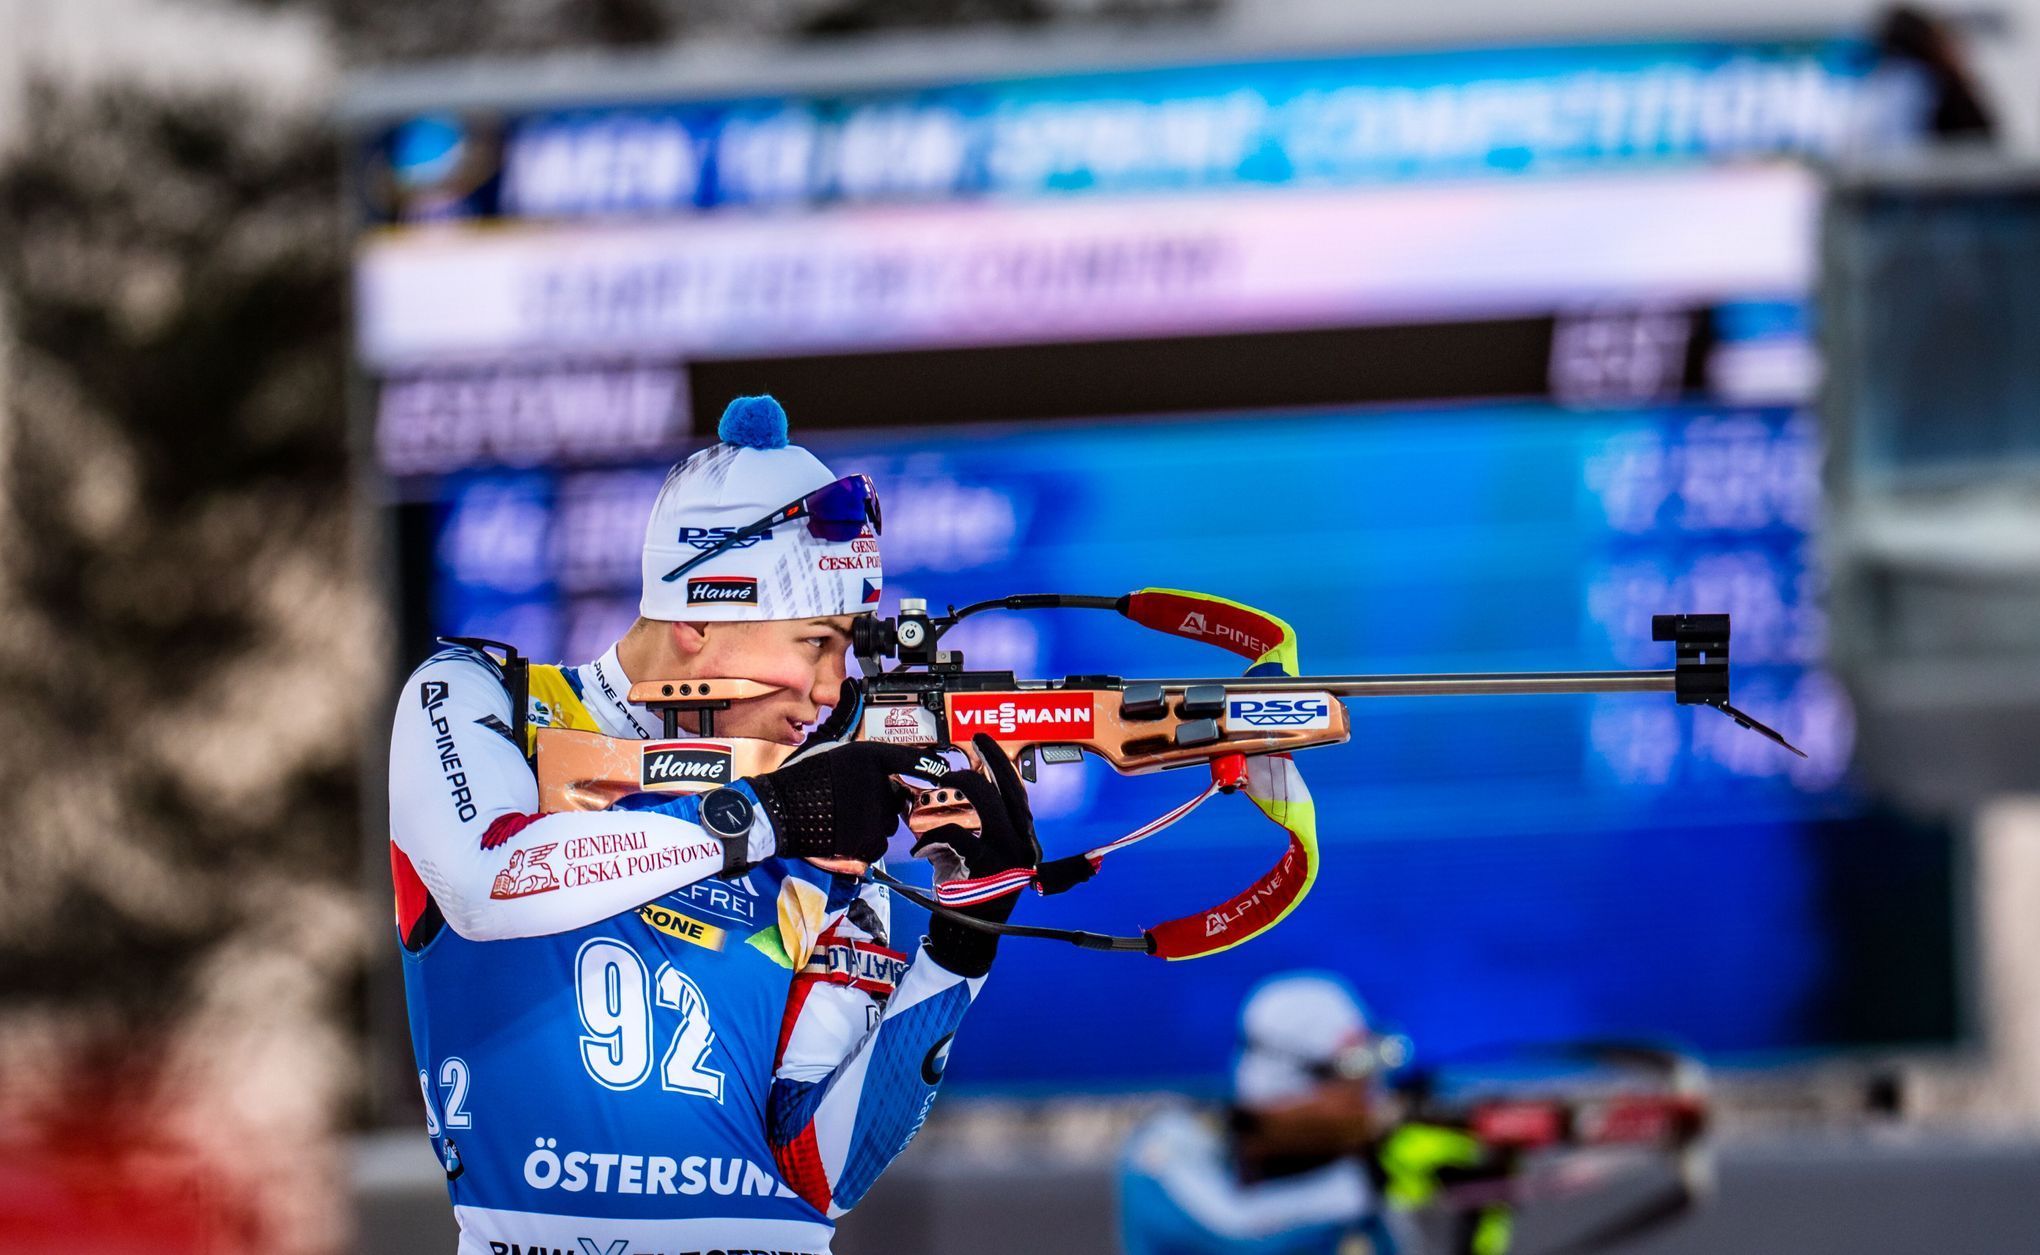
(1006,841)
(840,804)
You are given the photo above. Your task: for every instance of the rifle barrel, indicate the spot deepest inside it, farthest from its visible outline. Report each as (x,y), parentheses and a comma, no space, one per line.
(1470,684)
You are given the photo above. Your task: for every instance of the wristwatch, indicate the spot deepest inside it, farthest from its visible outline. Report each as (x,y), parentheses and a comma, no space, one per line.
(727,815)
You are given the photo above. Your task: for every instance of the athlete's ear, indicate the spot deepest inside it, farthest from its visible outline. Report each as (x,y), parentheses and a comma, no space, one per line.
(689,639)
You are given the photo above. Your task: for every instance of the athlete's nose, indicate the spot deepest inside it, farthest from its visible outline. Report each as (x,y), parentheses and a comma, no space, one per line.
(828,686)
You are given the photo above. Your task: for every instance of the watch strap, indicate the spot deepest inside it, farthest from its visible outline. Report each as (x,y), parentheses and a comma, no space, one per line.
(736,855)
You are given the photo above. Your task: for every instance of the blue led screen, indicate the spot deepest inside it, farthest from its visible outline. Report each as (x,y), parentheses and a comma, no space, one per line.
(1494,870)
(1292,121)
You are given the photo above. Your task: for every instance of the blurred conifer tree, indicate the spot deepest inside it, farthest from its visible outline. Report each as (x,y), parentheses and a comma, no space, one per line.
(189,643)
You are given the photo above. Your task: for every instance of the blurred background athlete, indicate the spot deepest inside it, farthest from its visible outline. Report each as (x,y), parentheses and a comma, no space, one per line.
(1286,1172)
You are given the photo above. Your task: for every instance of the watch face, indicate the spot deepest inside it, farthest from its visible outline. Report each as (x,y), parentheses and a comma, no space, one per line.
(726,812)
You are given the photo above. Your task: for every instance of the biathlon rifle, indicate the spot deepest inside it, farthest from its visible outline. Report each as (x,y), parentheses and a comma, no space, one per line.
(1480,1157)
(1243,730)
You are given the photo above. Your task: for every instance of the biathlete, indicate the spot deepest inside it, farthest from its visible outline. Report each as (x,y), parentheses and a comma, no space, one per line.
(661,1028)
(1287,1171)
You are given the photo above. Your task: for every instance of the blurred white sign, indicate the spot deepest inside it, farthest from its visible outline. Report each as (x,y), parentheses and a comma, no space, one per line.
(1040,271)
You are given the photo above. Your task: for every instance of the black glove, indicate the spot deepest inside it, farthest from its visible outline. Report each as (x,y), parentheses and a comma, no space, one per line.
(841,802)
(1005,841)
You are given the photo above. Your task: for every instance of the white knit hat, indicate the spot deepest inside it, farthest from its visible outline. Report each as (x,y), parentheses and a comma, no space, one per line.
(787,573)
(1287,1024)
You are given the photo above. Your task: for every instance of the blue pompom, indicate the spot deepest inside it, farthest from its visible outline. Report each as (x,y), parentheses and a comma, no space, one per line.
(753,423)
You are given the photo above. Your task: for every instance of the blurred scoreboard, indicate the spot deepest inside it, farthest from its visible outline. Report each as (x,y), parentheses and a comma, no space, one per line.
(1459,361)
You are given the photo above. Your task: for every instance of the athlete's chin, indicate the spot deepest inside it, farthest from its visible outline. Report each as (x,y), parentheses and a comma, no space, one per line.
(777,731)
(788,732)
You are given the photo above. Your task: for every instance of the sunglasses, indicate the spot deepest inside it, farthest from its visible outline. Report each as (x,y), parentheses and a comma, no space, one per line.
(834,512)
(1362,1060)
(1370,1056)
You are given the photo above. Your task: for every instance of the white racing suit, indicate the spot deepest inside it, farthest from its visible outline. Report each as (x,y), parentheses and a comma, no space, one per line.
(1180,1194)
